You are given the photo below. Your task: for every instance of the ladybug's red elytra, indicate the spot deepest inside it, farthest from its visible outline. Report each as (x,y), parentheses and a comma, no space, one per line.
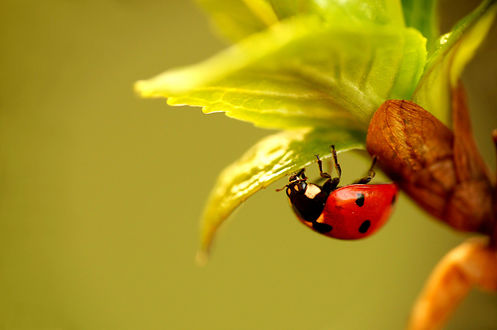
(351,212)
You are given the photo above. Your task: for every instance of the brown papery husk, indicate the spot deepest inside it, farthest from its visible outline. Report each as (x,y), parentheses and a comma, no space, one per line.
(438,168)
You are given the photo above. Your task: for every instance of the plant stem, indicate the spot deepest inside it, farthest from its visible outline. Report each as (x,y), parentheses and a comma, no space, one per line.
(473,263)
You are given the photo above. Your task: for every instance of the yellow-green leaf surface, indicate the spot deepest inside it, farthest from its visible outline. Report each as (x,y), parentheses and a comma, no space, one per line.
(422,15)
(381,12)
(300,73)
(270,159)
(237,19)
(446,63)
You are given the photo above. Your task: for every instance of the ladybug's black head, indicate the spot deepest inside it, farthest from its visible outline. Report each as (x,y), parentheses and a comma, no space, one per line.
(307,199)
(296,188)
(297,184)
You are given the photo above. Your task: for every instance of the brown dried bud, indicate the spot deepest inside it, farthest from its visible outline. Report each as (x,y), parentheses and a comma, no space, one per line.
(493,240)
(440,169)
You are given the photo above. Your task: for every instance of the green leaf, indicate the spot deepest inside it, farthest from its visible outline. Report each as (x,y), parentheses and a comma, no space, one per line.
(273,100)
(237,19)
(301,72)
(269,160)
(382,12)
(448,59)
(422,15)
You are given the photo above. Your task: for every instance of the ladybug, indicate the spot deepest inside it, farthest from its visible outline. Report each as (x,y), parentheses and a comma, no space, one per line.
(351,212)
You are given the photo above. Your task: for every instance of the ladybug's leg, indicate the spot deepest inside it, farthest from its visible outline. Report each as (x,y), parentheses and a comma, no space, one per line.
(370,175)
(336,165)
(332,183)
(322,228)
(297,177)
(301,174)
(323,174)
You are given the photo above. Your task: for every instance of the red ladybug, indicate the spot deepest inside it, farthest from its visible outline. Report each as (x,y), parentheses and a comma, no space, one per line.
(350,212)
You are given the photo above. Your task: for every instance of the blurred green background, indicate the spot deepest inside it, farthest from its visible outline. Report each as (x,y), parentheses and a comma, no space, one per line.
(101,192)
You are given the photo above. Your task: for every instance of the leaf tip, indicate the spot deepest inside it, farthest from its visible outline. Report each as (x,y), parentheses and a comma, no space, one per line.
(146,89)
(166,84)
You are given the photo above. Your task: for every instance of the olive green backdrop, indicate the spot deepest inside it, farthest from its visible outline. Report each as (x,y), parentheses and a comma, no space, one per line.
(101,192)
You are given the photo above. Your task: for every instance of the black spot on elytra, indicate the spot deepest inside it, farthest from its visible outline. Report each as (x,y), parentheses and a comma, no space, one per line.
(323,228)
(364,226)
(360,200)
(394,198)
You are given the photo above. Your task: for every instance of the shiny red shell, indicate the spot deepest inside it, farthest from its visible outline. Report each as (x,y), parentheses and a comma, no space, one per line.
(358,210)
